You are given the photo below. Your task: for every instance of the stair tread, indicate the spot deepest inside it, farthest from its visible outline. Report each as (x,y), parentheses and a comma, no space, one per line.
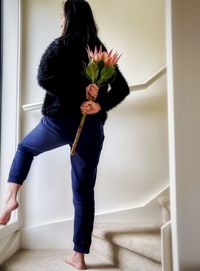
(144,240)
(45,260)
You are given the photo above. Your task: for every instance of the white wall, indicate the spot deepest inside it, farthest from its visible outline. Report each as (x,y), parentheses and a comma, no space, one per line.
(136,29)
(134,162)
(184,126)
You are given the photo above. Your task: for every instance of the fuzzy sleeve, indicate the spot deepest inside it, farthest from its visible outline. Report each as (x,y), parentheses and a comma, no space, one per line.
(48,77)
(119,90)
(56,69)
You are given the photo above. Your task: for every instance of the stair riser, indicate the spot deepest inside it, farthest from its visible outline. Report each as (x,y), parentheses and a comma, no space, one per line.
(123,258)
(103,249)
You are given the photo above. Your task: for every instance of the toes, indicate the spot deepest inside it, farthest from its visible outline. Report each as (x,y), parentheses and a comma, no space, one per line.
(6,213)
(4,220)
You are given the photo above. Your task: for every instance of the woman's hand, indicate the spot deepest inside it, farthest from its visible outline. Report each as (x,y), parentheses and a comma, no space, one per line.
(92,92)
(90,107)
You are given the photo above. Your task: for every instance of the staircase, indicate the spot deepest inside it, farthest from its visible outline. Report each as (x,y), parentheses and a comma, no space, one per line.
(129,247)
(115,246)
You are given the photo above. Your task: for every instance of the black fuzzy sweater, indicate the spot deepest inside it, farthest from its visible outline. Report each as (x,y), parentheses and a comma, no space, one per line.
(60,73)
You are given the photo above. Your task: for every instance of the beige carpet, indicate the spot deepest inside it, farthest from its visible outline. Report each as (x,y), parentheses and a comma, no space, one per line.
(144,240)
(50,260)
(132,247)
(125,247)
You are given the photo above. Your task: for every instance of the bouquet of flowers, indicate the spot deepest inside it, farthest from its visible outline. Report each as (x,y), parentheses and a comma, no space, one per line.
(100,71)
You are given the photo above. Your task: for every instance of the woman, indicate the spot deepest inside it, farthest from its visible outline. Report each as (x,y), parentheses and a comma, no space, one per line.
(67,89)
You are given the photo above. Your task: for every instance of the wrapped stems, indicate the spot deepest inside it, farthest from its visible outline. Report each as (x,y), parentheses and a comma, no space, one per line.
(78,133)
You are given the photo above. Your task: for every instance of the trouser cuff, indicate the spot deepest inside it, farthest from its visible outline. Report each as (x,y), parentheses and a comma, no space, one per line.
(81,249)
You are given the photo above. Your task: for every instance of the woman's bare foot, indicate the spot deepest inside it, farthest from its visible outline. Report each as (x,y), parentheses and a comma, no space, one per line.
(10,205)
(77,261)
(10,202)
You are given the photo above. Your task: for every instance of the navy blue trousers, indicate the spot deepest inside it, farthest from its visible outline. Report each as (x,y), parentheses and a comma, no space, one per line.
(53,132)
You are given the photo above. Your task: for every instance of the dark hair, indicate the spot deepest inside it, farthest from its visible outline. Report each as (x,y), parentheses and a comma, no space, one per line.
(79,20)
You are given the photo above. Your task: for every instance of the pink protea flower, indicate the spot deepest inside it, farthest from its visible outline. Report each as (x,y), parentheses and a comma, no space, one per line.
(101,66)
(109,58)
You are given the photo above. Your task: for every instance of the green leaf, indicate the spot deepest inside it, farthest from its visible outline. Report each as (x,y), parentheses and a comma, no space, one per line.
(109,81)
(84,71)
(106,73)
(101,64)
(92,71)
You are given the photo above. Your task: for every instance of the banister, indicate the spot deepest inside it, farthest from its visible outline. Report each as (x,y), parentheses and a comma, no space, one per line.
(154,77)
(32,106)
(139,86)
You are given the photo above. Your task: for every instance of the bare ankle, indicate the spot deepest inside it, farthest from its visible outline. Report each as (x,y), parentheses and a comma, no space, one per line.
(12,191)
(79,256)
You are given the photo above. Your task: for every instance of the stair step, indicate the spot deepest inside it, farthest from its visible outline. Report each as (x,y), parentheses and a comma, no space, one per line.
(141,243)
(50,260)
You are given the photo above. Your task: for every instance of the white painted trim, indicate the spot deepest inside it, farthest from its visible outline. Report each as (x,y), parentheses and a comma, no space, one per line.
(149,81)
(166,247)
(153,197)
(32,107)
(171,134)
(146,202)
(19,72)
(19,87)
(14,224)
(9,229)
(39,236)
(9,246)
(139,86)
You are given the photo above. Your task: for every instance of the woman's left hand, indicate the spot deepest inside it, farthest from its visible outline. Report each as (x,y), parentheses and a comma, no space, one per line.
(90,107)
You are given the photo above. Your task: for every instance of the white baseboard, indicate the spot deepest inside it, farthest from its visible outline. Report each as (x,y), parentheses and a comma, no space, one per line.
(9,245)
(59,234)
(48,236)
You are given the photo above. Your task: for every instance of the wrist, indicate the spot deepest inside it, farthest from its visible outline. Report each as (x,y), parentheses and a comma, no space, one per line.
(98,107)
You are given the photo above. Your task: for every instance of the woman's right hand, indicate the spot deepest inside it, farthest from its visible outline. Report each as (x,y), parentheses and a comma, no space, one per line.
(90,107)
(92,92)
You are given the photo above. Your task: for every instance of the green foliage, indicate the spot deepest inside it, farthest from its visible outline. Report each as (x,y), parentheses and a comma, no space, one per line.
(106,73)
(84,71)
(101,65)
(109,81)
(99,73)
(92,71)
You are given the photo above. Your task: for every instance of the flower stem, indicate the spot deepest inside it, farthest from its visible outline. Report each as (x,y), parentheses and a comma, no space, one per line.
(78,133)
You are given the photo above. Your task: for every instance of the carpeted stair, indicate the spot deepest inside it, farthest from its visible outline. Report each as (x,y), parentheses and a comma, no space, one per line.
(115,246)
(50,260)
(129,247)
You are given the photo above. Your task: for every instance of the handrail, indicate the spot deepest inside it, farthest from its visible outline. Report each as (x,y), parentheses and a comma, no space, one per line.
(154,77)
(31,107)
(139,86)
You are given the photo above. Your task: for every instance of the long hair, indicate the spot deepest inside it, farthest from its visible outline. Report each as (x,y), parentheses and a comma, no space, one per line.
(79,20)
